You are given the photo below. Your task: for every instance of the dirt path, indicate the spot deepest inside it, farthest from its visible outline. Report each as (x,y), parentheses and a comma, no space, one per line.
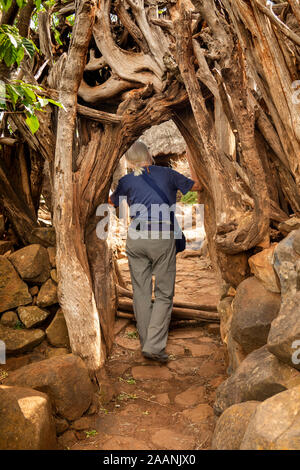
(161,406)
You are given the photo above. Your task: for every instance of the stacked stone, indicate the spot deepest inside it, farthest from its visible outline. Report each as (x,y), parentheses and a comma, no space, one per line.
(259,403)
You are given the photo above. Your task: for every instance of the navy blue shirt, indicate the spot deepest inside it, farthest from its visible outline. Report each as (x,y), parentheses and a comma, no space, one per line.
(137,191)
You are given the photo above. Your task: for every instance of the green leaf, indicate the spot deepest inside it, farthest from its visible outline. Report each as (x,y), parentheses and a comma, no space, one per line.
(29,47)
(10,56)
(57,36)
(57,103)
(32,122)
(20,56)
(14,96)
(29,94)
(43,101)
(5,4)
(21,3)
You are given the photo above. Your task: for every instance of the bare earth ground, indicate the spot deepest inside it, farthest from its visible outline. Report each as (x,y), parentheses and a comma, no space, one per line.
(158,407)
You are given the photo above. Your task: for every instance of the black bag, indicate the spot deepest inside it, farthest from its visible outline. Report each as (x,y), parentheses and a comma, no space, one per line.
(180,243)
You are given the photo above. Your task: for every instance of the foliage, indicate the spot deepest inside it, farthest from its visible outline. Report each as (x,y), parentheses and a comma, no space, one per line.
(13,46)
(189,198)
(91,433)
(24,95)
(6,4)
(19,325)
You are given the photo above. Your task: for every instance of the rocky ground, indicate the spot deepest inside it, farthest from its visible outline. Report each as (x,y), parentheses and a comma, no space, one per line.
(160,406)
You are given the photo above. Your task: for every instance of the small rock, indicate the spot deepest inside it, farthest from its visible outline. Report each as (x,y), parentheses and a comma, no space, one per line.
(231,426)
(199,414)
(151,372)
(54,275)
(254,309)
(13,291)
(48,294)
(168,439)
(65,379)
(191,396)
(61,425)
(26,421)
(288,225)
(34,290)
(258,377)
(67,439)
(32,263)
(52,255)
(275,423)
(32,316)
(261,266)
(57,331)
(9,318)
(20,340)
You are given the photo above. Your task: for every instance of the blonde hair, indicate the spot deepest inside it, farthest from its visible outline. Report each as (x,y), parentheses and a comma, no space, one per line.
(138,156)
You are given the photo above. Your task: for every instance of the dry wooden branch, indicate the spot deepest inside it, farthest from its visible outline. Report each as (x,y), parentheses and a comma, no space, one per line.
(209,308)
(177,312)
(277,22)
(8,141)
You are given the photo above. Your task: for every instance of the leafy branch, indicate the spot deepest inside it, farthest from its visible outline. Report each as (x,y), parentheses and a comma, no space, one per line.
(24,96)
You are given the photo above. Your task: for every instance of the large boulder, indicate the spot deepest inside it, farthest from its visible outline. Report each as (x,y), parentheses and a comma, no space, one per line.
(275,425)
(57,332)
(48,294)
(32,263)
(261,266)
(64,378)
(20,340)
(32,316)
(254,309)
(286,262)
(231,426)
(26,422)
(284,336)
(258,377)
(13,291)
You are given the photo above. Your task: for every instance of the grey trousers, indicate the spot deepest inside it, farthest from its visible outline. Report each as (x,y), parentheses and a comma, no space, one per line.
(147,257)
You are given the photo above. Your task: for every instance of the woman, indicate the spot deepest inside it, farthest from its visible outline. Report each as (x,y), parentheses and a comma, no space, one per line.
(150,245)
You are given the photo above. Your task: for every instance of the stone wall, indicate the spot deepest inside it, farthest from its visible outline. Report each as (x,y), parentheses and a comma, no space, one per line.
(258,405)
(43,388)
